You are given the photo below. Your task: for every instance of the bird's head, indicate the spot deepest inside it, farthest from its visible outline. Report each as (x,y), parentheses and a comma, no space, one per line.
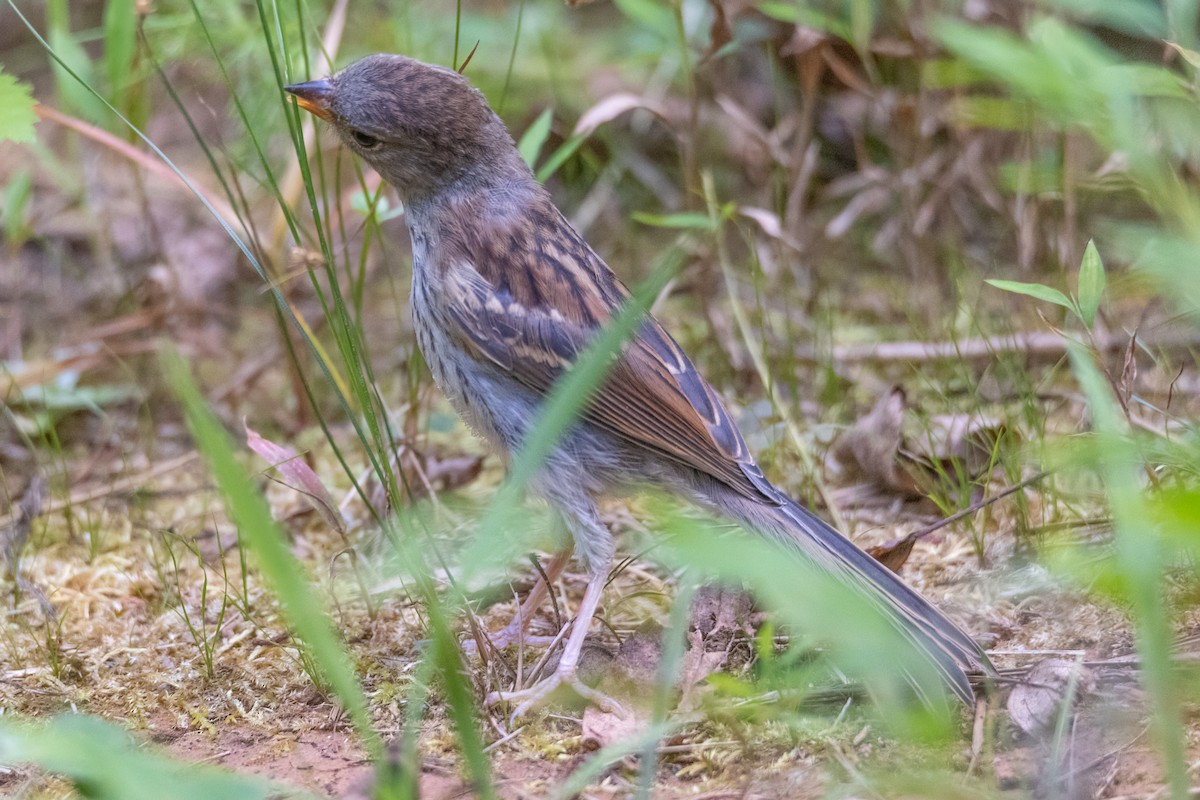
(422,127)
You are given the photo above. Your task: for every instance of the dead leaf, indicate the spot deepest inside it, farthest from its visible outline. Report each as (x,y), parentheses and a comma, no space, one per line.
(770,224)
(609,109)
(868,450)
(720,614)
(848,72)
(634,670)
(213,543)
(298,475)
(720,33)
(421,474)
(1034,704)
(1015,768)
(1128,372)
(804,40)
(869,201)
(894,554)
(720,637)
(595,663)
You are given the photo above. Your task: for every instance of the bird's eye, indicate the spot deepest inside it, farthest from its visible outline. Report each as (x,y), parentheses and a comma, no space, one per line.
(365,141)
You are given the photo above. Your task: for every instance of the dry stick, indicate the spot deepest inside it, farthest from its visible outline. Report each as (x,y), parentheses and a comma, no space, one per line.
(39,372)
(977,733)
(558,620)
(123,486)
(971,509)
(1042,344)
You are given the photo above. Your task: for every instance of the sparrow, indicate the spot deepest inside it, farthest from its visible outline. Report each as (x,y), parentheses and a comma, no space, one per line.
(506,294)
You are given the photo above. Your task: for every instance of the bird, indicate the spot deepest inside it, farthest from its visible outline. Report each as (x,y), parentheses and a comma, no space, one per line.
(506,294)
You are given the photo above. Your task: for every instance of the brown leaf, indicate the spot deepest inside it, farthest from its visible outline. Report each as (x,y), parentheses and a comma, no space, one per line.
(720,33)
(804,40)
(609,109)
(299,476)
(421,473)
(1016,768)
(851,74)
(808,46)
(698,664)
(721,614)
(719,636)
(1128,372)
(894,554)
(633,669)
(868,450)
(771,225)
(212,543)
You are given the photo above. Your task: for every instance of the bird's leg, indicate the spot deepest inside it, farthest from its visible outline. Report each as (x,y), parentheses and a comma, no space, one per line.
(514,631)
(564,673)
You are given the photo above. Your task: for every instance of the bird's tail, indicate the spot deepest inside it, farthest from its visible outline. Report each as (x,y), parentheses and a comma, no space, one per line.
(949,649)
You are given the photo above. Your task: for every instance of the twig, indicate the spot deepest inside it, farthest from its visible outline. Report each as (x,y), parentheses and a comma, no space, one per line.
(123,486)
(1042,344)
(920,533)
(977,733)
(508,737)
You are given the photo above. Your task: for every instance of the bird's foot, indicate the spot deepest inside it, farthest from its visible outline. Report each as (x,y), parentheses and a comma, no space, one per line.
(507,636)
(527,699)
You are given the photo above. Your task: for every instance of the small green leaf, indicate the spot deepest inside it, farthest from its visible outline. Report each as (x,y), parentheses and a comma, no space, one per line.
(535,136)
(1047,293)
(559,157)
(688,220)
(997,113)
(1092,283)
(949,73)
(16,110)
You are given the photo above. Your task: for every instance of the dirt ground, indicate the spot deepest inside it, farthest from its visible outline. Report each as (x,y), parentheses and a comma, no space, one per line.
(122,652)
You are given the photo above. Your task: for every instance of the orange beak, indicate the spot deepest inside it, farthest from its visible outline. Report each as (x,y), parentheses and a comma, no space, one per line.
(314,97)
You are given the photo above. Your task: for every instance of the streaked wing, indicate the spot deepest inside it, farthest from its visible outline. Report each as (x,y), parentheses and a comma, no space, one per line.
(653,395)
